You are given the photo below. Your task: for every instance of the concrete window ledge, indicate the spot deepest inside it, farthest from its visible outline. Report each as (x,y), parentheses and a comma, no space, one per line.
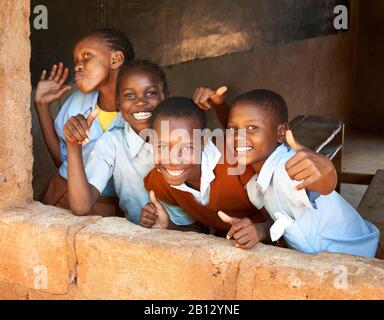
(48,253)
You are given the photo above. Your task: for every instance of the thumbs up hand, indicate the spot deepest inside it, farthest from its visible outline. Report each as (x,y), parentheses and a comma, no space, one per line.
(315,171)
(244,231)
(76,129)
(205,97)
(154,215)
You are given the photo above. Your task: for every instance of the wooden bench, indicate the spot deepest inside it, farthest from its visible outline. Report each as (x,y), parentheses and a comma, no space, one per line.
(321,134)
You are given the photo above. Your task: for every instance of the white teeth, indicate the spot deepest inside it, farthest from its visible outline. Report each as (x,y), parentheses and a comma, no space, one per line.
(142,115)
(243,149)
(175,173)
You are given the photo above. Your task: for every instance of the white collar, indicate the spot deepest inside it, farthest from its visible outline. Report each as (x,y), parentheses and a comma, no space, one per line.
(268,168)
(135,142)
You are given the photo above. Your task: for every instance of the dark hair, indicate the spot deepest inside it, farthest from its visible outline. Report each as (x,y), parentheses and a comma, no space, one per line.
(268,100)
(116,40)
(145,65)
(180,107)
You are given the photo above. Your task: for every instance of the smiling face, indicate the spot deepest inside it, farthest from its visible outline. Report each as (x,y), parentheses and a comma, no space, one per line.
(139,93)
(263,133)
(178,152)
(92,59)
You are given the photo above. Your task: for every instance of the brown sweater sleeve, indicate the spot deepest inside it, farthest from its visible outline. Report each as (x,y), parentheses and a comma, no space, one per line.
(154,181)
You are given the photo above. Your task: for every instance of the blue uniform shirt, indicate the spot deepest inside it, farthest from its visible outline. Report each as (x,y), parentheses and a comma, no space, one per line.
(80,103)
(124,155)
(310,222)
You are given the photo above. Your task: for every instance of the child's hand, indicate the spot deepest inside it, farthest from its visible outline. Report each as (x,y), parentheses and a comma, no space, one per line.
(156,215)
(205,97)
(76,129)
(52,89)
(244,231)
(317,171)
(148,216)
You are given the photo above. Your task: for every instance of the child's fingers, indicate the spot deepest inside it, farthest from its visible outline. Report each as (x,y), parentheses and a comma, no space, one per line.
(59,72)
(151,209)
(155,202)
(198,94)
(77,130)
(81,124)
(306,183)
(250,244)
(43,75)
(64,76)
(292,142)
(63,90)
(146,223)
(240,233)
(53,72)
(198,99)
(296,159)
(92,117)
(149,215)
(69,136)
(226,218)
(299,166)
(243,240)
(236,227)
(232,231)
(221,91)
(204,99)
(304,174)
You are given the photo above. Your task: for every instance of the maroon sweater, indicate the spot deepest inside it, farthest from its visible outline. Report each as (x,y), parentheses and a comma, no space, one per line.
(227,194)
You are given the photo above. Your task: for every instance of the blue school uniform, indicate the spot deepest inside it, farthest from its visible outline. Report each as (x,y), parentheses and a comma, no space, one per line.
(309,222)
(125,156)
(80,103)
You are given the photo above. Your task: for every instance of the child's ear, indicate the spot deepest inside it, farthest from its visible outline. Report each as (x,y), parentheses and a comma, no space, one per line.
(117,60)
(281,131)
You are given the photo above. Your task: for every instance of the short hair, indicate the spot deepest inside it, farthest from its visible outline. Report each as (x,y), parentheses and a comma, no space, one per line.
(116,40)
(268,100)
(180,107)
(145,65)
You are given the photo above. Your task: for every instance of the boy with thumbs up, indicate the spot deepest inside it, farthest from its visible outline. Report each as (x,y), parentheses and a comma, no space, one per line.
(290,182)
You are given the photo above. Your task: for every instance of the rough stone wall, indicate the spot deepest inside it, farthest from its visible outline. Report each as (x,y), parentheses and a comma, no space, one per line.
(15,119)
(111,258)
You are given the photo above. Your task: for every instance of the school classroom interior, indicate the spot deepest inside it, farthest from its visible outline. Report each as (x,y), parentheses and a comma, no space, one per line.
(291,47)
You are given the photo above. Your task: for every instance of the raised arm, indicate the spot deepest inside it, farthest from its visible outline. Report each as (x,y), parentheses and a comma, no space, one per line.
(316,171)
(206,98)
(47,92)
(82,195)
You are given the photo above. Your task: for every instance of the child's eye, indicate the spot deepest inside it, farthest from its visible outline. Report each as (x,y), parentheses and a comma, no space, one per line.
(231,128)
(129,95)
(251,128)
(152,93)
(87,55)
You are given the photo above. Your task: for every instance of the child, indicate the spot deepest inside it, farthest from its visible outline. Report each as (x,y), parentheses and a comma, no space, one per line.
(195,177)
(98,58)
(309,222)
(121,153)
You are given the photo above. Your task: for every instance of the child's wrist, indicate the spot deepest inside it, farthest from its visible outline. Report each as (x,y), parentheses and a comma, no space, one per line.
(41,105)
